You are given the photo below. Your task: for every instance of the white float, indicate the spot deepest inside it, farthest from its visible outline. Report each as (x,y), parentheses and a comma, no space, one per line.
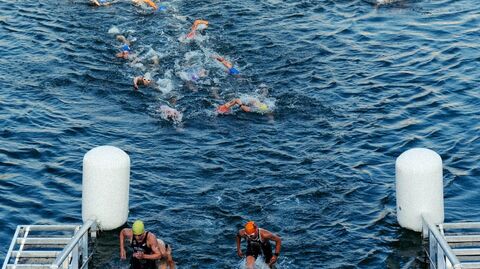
(106,180)
(419,188)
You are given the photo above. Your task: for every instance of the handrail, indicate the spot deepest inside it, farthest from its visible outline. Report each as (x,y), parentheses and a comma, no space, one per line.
(442,243)
(10,249)
(73,243)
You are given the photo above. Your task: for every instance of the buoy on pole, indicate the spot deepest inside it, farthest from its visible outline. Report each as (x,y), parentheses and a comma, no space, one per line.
(105,189)
(419,188)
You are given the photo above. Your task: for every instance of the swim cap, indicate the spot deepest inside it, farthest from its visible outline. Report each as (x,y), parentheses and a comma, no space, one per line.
(233,71)
(250,227)
(223,109)
(138,228)
(262,107)
(125,47)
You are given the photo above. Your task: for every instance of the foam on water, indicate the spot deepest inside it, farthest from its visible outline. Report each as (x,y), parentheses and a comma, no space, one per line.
(353,87)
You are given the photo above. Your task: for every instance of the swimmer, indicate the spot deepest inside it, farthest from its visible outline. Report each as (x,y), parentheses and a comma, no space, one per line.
(142,80)
(197,25)
(193,74)
(125,51)
(149,252)
(148,2)
(168,113)
(258,243)
(247,104)
(99,3)
(230,69)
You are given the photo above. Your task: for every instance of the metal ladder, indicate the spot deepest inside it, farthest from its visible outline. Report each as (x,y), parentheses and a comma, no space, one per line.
(50,246)
(452,245)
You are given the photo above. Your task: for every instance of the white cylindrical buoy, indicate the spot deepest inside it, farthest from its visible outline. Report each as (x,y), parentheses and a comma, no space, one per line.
(419,178)
(106,180)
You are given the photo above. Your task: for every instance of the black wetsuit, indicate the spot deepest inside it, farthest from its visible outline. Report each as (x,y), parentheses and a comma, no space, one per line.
(259,246)
(141,247)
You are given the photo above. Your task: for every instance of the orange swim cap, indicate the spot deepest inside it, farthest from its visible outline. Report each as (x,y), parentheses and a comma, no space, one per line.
(223,109)
(250,227)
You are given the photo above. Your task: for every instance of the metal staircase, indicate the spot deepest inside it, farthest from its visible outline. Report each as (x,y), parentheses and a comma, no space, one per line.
(50,246)
(453,245)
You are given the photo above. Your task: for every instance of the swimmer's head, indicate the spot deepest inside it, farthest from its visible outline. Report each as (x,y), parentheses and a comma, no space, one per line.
(250,227)
(233,71)
(125,48)
(262,107)
(147,78)
(138,228)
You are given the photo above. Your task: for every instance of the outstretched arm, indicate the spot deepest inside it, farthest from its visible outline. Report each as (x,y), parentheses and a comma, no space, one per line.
(223,61)
(196,23)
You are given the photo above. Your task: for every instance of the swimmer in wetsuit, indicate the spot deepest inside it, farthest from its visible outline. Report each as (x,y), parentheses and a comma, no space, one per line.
(142,80)
(230,68)
(148,251)
(197,25)
(246,104)
(258,242)
(124,52)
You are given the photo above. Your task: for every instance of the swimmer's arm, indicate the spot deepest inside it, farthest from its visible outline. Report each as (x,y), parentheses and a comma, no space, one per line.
(196,23)
(274,237)
(135,82)
(245,108)
(233,102)
(222,60)
(124,234)
(152,241)
(238,240)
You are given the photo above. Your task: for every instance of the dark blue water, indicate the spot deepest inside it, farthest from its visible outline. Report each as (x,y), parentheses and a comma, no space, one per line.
(354,86)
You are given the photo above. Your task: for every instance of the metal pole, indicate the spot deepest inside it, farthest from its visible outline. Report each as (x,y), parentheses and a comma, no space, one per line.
(442,243)
(10,249)
(68,249)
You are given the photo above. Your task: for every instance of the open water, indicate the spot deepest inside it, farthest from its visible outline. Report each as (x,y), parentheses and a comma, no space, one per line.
(353,85)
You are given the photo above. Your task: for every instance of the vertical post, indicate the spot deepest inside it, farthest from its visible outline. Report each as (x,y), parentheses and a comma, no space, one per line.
(85,251)
(432,251)
(440,257)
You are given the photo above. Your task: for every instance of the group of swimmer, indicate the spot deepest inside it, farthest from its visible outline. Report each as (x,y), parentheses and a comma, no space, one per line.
(245,103)
(150,252)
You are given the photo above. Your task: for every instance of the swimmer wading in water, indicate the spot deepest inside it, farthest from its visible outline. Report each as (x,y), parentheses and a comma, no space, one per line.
(258,243)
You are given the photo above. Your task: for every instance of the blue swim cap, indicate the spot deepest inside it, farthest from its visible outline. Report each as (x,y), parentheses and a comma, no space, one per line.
(162,8)
(233,71)
(103,1)
(125,47)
